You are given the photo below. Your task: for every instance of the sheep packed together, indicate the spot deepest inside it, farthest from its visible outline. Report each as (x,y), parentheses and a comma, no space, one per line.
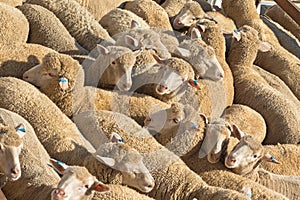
(148,99)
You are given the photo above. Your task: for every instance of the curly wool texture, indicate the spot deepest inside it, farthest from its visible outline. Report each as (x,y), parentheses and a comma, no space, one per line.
(47,30)
(280,114)
(37,179)
(13,3)
(213,36)
(14,25)
(118,21)
(166,168)
(77,20)
(277,58)
(248,120)
(9,137)
(173,7)
(151,12)
(18,58)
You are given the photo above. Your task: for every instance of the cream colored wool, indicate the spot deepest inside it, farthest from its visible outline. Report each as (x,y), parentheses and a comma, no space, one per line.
(47,30)
(173,7)
(280,113)
(13,3)
(15,59)
(100,8)
(37,178)
(77,20)
(213,36)
(14,25)
(151,12)
(247,119)
(280,16)
(119,20)
(59,136)
(278,61)
(173,179)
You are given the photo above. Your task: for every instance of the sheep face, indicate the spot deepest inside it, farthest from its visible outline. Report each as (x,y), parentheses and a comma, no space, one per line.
(76,183)
(10,149)
(129,162)
(188,15)
(169,82)
(165,119)
(202,58)
(216,134)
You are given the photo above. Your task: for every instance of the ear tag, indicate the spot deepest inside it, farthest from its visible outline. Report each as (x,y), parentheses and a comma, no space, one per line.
(121,140)
(194,83)
(60,163)
(63,83)
(194,126)
(236,31)
(273,159)
(22,129)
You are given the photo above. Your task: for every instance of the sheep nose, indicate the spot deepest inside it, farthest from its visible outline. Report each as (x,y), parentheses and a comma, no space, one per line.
(25,76)
(59,192)
(232,159)
(150,185)
(15,171)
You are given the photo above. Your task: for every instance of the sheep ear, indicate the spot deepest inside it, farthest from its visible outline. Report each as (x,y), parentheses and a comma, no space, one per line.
(99,187)
(194,83)
(135,25)
(1,147)
(63,83)
(264,46)
(106,160)
(195,33)
(131,42)
(159,60)
(116,138)
(21,130)
(59,166)
(102,50)
(236,132)
(183,52)
(270,158)
(236,34)
(204,118)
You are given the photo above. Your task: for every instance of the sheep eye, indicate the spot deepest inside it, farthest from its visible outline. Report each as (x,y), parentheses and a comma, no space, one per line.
(52,75)
(255,156)
(176,120)
(86,186)
(113,63)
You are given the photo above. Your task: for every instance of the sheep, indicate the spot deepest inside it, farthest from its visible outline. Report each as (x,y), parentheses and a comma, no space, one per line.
(173,7)
(16,59)
(181,130)
(37,179)
(57,133)
(83,176)
(100,8)
(278,15)
(112,68)
(14,25)
(280,113)
(192,12)
(201,56)
(119,20)
(245,159)
(77,98)
(168,171)
(151,12)
(76,182)
(142,38)
(285,38)
(47,30)
(10,148)
(13,3)
(78,21)
(213,36)
(277,58)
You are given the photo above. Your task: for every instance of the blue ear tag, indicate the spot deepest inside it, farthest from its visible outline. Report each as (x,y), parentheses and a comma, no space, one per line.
(139,27)
(212,19)
(21,129)
(120,140)
(236,31)
(60,163)
(273,159)
(63,80)
(195,82)
(249,196)
(194,126)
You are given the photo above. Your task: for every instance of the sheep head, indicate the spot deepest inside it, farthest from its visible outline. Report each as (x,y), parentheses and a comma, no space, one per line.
(247,154)
(76,182)
(10,149)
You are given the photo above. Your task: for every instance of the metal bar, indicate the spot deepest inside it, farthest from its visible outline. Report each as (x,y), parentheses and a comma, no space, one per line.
(290,8)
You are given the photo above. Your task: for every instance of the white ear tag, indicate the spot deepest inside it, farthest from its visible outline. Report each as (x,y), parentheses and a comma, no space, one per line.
(63,83)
